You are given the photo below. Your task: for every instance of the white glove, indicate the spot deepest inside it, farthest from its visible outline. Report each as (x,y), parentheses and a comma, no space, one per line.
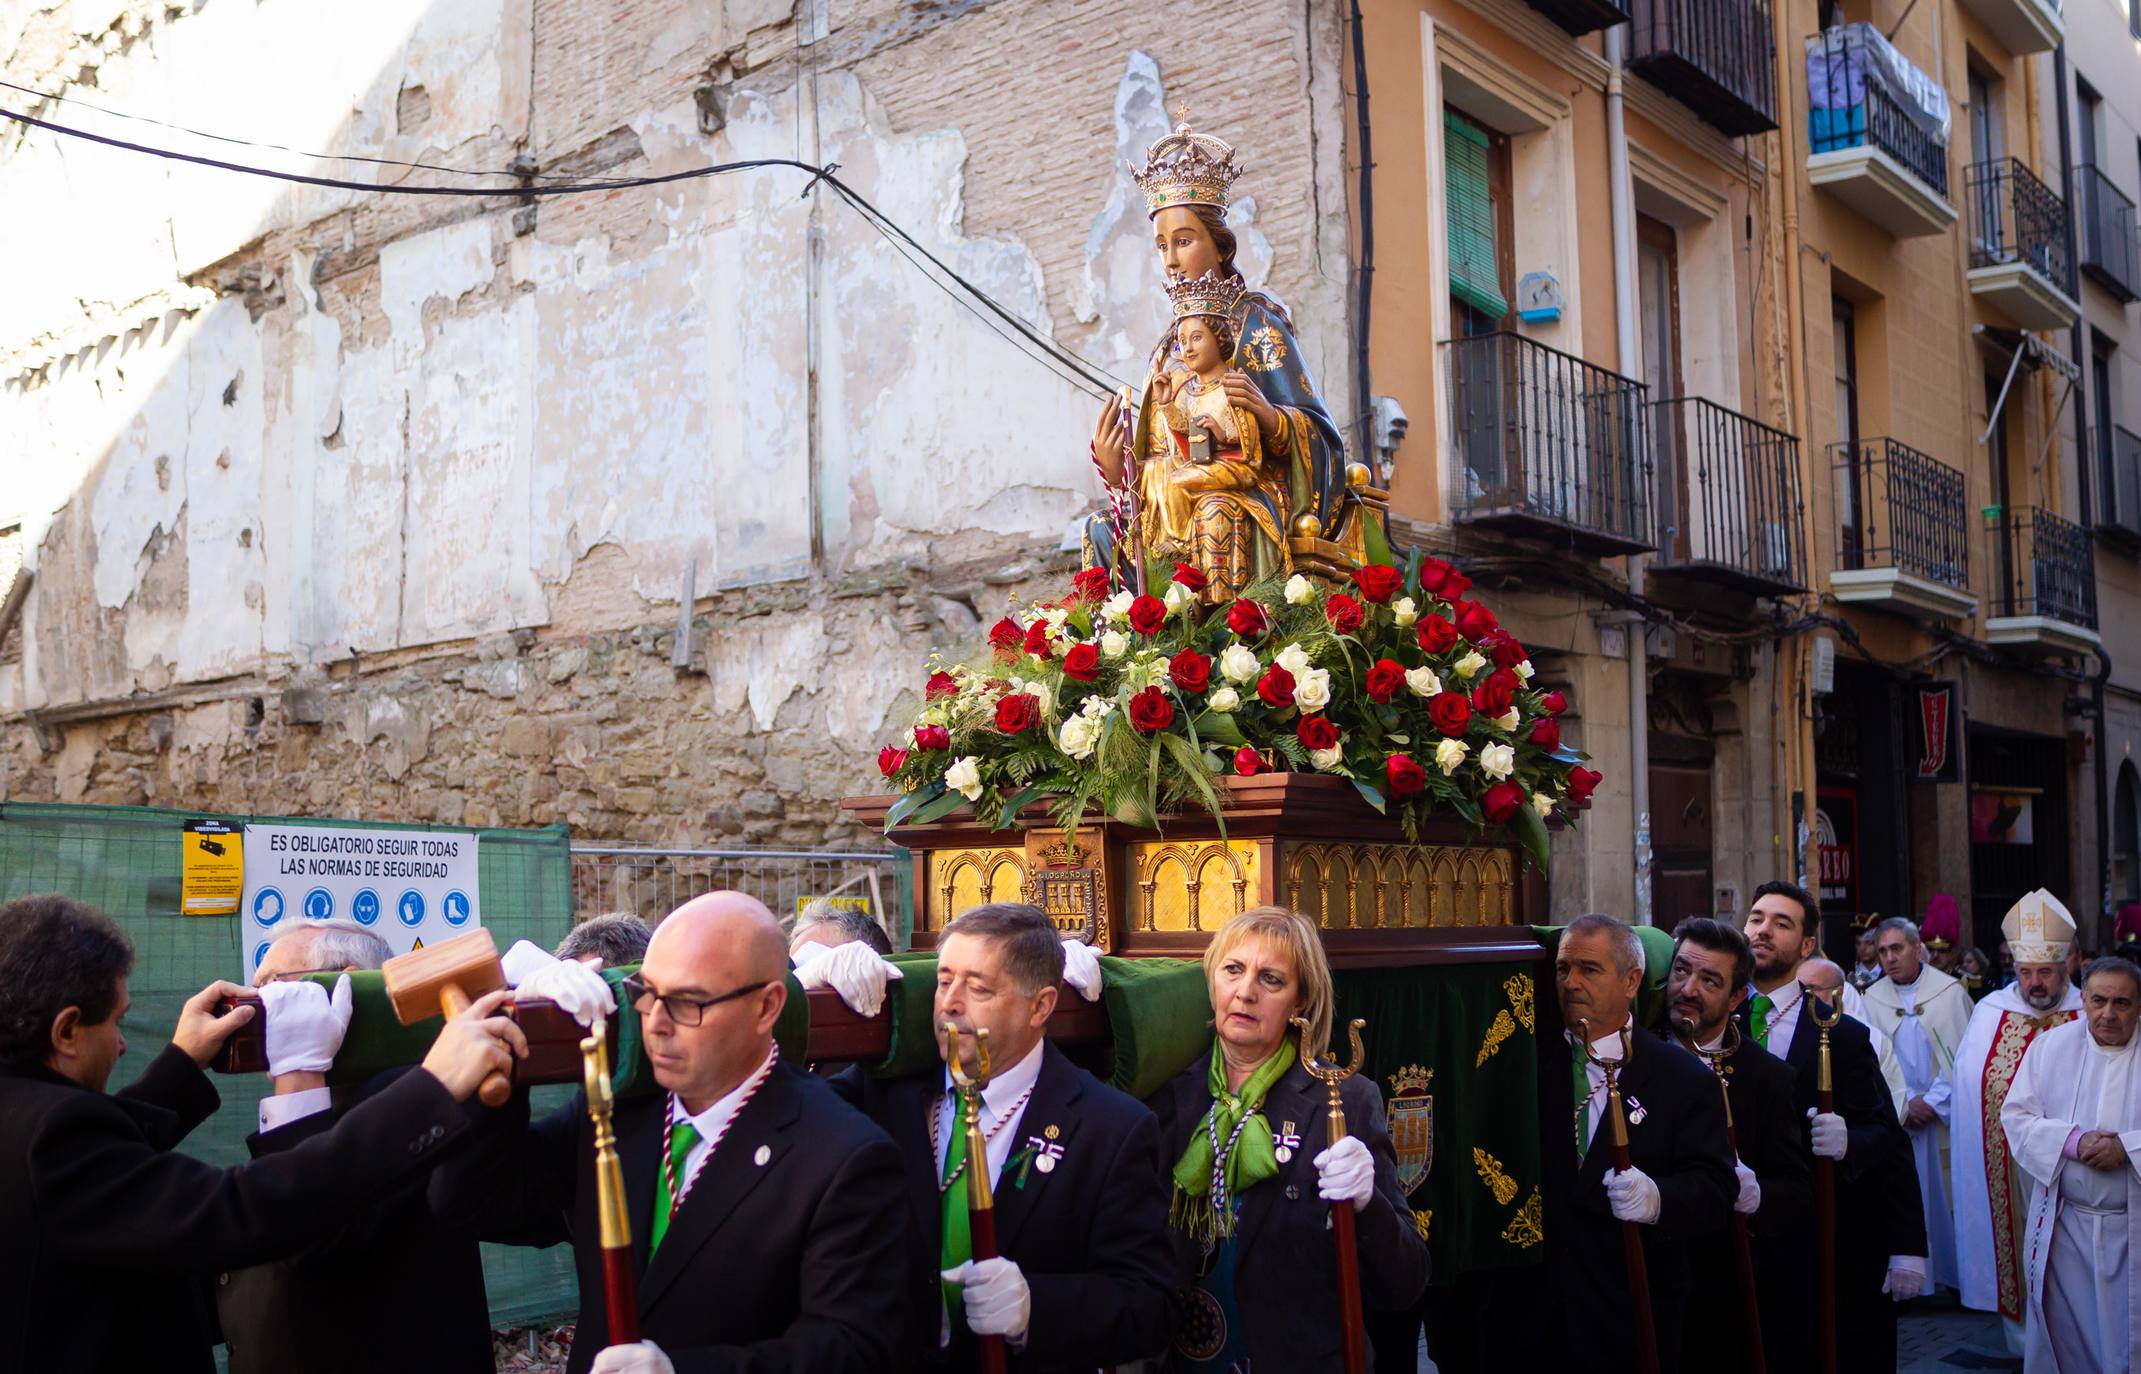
(577,988)
(1346,1173)
(1750,1199)
(524,959)
(305,1025)
(996,1298)
(1632,1196)
(1081,968)
(644,1357)
(1831,1136)
(853,970)
(1906,1277)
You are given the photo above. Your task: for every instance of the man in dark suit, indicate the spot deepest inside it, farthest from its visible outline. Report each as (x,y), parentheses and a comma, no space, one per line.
(1705,983)
(1079,1183)
(419,1282)
(766,1214)
(1880,1224)
(1680,1188)
(107,1235)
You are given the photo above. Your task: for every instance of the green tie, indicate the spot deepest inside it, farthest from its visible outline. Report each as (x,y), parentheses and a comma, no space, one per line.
(1580,1086)
(1758,1016)
(958,1246)
(682,1136)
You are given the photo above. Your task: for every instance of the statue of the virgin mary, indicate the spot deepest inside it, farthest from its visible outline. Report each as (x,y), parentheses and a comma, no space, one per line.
(1299,504)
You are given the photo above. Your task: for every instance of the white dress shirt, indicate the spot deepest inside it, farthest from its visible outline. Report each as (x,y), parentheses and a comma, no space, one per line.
(1005,1089)
(288,1107)
(713,1122)
(1783,1019)
(1607,1046)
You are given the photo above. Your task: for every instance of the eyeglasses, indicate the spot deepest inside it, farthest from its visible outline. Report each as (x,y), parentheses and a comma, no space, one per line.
(685,1011)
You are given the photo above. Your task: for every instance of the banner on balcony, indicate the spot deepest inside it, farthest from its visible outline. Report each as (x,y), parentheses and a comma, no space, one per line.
(1938,758)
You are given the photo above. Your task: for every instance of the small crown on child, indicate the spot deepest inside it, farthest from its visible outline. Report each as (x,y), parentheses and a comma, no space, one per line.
(1185,168)
(1210,294)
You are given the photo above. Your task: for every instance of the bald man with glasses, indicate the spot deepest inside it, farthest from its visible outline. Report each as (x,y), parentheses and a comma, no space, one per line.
(766,1214)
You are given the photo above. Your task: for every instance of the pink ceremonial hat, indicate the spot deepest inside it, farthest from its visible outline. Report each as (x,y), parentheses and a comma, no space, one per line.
(1943,923)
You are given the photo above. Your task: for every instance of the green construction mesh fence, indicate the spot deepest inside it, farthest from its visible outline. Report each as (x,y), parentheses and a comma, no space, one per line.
(124,860)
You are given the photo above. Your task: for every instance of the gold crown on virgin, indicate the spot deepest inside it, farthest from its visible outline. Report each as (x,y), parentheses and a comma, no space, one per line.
(1185,168)
(1210,294)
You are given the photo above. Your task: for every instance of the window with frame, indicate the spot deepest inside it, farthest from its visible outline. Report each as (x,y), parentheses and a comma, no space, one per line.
(1476,197)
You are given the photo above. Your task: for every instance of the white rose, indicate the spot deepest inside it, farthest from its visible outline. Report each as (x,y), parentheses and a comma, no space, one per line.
(1312,690)
(1405,612)
(1095,706)
(1506,722)
(1177,596)
(1523,670)
(1299,590)
(964,777)
(1422,682)
(1117,607)
(1543,803)
(1224,700)
(1449,754)
(1327,760)
(1113,645)
(1468,665)
(1294,659)
(1497,761)
(1238,664)
(1055,616)
(1078,736)
(1039,691)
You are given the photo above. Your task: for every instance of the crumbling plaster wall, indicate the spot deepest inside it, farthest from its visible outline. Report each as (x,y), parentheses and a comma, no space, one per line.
(365,503)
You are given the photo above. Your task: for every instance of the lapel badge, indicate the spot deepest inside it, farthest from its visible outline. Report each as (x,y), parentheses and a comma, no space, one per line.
(765,1153)
(1636,1111)
(1287,1140)
(1053,1131)
(1045,1153)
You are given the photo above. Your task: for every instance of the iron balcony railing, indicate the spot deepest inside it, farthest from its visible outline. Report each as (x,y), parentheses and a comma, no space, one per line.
(1583,16)
(1717,57)
(1902,509)
(2110,240)
(1849,110)
(2014,217)
(2047,566)
(2119,462)
(1728,495)
(1543,437)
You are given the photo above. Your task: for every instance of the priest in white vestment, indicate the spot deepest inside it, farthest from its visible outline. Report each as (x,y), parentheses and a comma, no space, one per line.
(2073,1121)
(1925,1013)
(1989,1196)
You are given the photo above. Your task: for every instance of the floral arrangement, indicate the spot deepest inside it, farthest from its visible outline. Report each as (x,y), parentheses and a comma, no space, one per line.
(1135,705)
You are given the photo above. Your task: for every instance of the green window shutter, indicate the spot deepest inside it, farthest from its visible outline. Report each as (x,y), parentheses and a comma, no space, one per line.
(1474,276)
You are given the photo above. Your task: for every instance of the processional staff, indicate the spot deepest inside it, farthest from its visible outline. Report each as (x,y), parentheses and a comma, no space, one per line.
(1646,1329)
(980,1201)
(1825,1186)
(1135,532)
(1342,1235)
(620,1291)
(1742,1252)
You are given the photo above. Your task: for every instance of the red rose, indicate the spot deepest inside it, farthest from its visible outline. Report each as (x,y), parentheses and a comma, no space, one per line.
(1581,781)
(1502,801)
(1553,703)
(1496,693)
(1188,575)
(1456,585)
(1434,576)
(1147,614)
(1475,621)
(1276,687)
(1248,618)
(1378,581)
(1037,639)
(1437,635)
(932,737)
(1082,662)
(891,760)
(940,685)
(1090,585)
(1450,712)
(1017,712)
(1384,679)
(1006,637)
(1343,612)
(1150,710)
(1316,732)
(1546,732)
(1247,762)
(1502,648)
(1407,779)
(1190,671)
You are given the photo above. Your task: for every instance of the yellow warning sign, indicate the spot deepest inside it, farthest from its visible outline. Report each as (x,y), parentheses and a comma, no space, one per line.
(212,873)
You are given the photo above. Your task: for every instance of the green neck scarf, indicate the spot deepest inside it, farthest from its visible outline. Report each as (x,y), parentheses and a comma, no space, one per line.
(1205,1183)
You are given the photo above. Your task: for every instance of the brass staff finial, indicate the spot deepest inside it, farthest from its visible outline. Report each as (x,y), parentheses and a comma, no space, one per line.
(1332,1074)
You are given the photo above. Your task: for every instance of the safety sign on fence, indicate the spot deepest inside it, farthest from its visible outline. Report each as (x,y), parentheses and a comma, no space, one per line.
(409,887)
